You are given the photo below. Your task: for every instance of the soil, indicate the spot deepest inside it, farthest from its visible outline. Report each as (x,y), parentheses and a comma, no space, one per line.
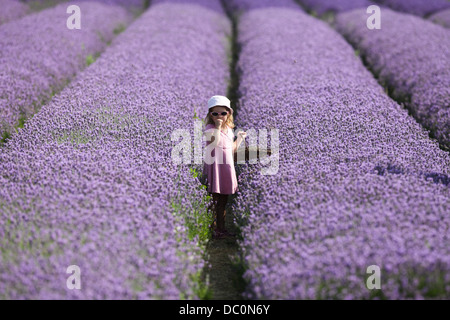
(225,275)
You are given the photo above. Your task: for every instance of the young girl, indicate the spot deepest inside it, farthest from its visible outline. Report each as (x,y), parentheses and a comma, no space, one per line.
(219,163)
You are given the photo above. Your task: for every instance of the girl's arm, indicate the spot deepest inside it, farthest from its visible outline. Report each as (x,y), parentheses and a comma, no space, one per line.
(240,138)
(236,144)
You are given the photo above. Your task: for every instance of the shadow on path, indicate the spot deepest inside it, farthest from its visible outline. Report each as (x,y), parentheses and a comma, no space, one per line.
(224,272)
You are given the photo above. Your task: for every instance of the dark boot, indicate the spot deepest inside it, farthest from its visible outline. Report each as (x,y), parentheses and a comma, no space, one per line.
(221,212)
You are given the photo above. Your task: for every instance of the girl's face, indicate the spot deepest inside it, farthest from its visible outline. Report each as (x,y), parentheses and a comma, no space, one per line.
(219,110)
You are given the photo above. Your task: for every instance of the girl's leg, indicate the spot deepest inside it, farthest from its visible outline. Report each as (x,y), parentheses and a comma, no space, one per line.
(221,213)
(212,209)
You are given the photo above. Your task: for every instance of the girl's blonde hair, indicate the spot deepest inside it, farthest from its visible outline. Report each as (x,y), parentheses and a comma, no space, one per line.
(229,122)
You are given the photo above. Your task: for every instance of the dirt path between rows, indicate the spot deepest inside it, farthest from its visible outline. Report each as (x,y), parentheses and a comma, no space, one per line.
(225,276)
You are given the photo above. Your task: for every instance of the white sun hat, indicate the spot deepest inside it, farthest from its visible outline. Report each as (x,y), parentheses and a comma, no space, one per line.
(219,101)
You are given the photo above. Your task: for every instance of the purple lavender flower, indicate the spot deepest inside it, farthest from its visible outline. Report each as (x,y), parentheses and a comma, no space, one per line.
(213,5)
(312,230)
(139,4)
(417,70)
(89,180)
(39,55)
(244,5)
(12,10)
(442,18)
(323,6)
(416,7)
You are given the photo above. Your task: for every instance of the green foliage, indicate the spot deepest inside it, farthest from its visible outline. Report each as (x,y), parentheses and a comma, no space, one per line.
(100,36)
(21,123)
(39,5)
(199,220)
(201,288)
(119,29)
(5,136)
(328,17)
(89,60)
(196,117)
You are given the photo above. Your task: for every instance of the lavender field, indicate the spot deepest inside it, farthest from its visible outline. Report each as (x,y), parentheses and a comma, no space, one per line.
(361,164)
(12,10)
(34,67)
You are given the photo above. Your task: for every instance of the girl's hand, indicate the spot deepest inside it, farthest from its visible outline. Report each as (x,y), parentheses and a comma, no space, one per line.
(242,134)
(218,123)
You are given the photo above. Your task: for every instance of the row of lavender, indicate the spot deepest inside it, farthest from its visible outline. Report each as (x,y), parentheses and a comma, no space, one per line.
(39,55)
(417,70)
(125,3)
(421,8)
(12,10)
(89,180)
(359,181)
(321,7)
(134,6)
(440,8)
(442,18)
(15,9)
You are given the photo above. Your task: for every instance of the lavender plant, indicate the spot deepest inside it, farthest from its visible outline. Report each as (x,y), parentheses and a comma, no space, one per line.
(12,10)
(360,183)
(417,7)
(417,71)
(39,5)
(206,4)
(39,55)
(244,5)
(89,180)
(442,18)
(139,4)
(321,7)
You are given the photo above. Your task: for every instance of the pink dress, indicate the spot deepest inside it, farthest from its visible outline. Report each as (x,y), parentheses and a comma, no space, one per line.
(221,174)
